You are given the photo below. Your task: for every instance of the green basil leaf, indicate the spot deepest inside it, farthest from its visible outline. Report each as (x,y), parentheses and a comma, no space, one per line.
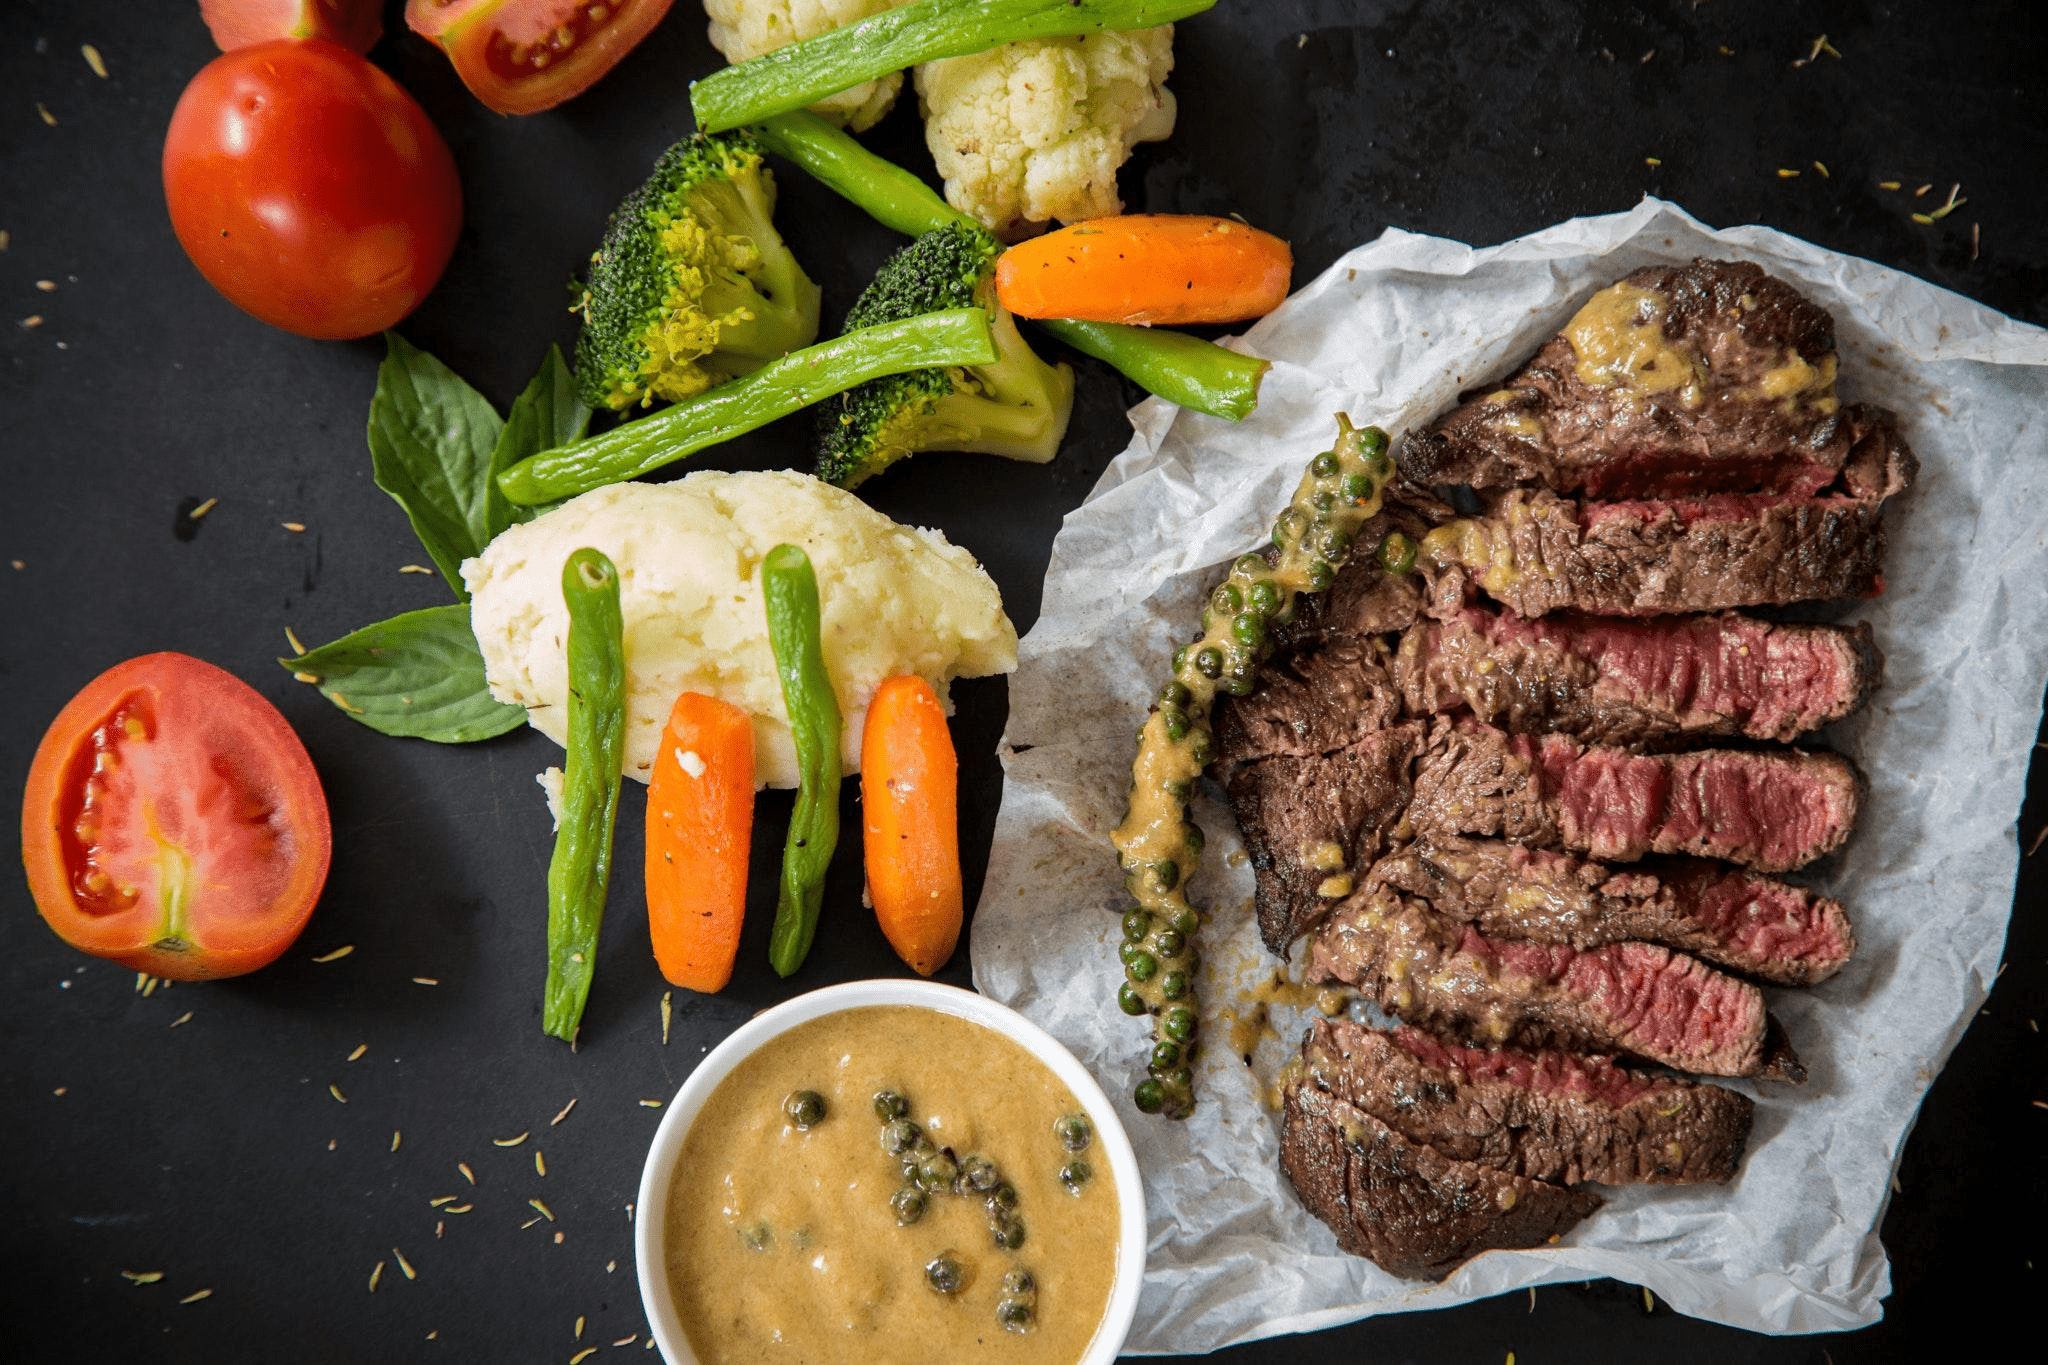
(432,442)
(419,675)
(547,415)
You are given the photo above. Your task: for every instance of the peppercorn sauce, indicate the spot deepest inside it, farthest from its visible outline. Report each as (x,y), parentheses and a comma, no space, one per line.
(783,1245)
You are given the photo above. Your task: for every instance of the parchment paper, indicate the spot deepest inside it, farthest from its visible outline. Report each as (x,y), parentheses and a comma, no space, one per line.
(1391,334)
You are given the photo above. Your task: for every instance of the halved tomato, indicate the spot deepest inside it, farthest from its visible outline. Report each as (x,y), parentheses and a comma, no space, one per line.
(355,24)
(174,823)
(523,56)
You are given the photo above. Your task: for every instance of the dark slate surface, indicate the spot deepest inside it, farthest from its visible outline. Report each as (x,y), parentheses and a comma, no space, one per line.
(213,1151)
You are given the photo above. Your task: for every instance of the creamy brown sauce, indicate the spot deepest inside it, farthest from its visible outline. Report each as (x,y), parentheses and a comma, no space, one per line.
(1619,341)
(782,1243)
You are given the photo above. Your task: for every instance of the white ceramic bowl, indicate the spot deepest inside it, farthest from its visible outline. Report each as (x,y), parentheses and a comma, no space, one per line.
(655,1178)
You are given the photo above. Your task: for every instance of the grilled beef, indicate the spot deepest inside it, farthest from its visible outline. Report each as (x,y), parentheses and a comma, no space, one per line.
(1414,1212)
(1758,926)
(1555,1116)
(1638,998)
(1659,681)
(1706,378)
(1772,811)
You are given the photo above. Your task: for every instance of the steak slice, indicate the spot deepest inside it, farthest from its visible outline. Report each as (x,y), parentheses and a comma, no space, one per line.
(1311,820)
(1556,1116)
(1412,1211)
(1638,998)
(1772,811)
(1761,927)
(1657,681)
(1312,702)
(1537,552)
(1712,377)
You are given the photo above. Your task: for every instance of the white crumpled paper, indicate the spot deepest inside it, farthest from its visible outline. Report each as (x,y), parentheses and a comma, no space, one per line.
(1390,334)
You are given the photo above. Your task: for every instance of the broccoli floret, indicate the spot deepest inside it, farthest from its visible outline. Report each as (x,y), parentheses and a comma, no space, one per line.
(1017,407)
(692,284)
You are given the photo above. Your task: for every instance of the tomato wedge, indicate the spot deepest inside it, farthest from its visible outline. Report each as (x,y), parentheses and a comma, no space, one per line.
(174,823)
(523,56)
(355,24)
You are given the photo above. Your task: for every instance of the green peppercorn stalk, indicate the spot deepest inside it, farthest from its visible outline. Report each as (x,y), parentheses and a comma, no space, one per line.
(1158,843)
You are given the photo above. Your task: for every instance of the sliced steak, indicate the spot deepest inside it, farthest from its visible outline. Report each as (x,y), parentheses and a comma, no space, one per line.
(1638,998)
(1312,702)
(1656,681)
(1310,821)
(1772,811)
(1759,926)
(1557,1116)
(1413,1212)
(1712,377)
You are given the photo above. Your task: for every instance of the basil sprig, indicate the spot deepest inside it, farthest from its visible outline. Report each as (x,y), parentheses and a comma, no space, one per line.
(436,446)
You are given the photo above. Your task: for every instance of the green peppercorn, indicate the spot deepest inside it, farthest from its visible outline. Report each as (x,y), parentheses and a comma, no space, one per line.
(1137,924)
(1264,598)
(1165,875)
(1015,1315)
(1248,628)
(944,1274)
(1335,543)
(1178,1024)
(1174,985)
(1180,658)
(1289,526)
(1074,1131)
(938,1171)
(1128,1000)
(1324,503)
(1019,1284)
(890,1106)
(1195,838)
(1141,966)
(1165,1057)
(1249,565)
(805,1109)
(1149,1096)
(1176,725)
(1325,464)
(900,1136)
(909,1202)
(1171,941)
(1186,921)
(1237,682)
(1209,661)
(978,1174)
(1226,599)
(1075,1174)
(1356,487)
(1176,694)
(1397,553)
(1010,1235)
(1003,1196)
(757,1237)
(1319,575)
(1201,747)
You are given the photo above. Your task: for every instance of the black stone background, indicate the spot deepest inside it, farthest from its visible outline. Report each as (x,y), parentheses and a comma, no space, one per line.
(203,1151)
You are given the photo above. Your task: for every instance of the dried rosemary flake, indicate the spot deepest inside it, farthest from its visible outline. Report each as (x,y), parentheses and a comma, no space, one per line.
(458,1208)
(404,1264)
(94,60)
(295,527)
(336,954)
(1532,1298)
(32,320)
(330,1144)
(2039,1104)
(203,508)
(300,675)
(196,1295)
(142,1276)
(61,1090)
(48,117)
(149,988)
(1822,167)
(394,1139)
(47,286)
(1887,184)
(440,1199)
(1923,189)
(376,1275)
(579,1327)
(141,980)
(414,568)
(582,1355)
(501,1142)
(564,1114)
(650,1104)
(1785,173)
(361,1048)
(1653,161)
(1951,206)
(528,1223)
(1974,237)
(467,1174)
(1922,219)
(1649,1300)
(627,1340)
(540,1166)
(610,1266)
(293,640)
(434,1335)
(439,1228)
(426,981)
(558,1238)
(629,1211)
(541,1209)
(335,1091)
(184,1018)
(667,1012)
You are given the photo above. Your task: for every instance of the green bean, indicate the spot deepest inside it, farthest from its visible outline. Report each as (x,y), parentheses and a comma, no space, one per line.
(581,866)
(1183,369)
(805,72)
(790,589)
(954,336)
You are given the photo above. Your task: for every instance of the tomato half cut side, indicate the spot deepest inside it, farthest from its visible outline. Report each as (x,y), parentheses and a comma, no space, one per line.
(523,56)
(174,823)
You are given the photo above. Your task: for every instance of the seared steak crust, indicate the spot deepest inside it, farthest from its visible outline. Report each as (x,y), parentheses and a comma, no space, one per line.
(1556,1116)
(1674,381)
(1412,1211)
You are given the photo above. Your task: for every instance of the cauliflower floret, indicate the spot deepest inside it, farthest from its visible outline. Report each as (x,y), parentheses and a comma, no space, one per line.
(1037,130)
(744,29)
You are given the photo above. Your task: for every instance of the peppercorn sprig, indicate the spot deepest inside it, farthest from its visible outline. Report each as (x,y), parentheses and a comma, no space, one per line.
(1158,842)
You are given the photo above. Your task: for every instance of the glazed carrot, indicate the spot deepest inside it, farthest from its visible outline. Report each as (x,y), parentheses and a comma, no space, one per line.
(700,817)
(908,792)
(1147,268)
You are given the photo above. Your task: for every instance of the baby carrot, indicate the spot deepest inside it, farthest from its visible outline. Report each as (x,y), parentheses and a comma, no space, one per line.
(700,816)
(908,788)
(1147,268)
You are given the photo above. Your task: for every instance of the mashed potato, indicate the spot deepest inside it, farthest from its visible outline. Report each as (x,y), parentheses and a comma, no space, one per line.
(893,599)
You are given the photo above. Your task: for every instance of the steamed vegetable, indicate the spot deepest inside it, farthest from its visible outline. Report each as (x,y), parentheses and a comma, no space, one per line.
(1147,268)
(744,29)
(1158,842)
(580,869)
(909,784)
(1016,407)
(806,72)
(700,820)
(957,337)
(789,590)
(692,284)
(1179,368)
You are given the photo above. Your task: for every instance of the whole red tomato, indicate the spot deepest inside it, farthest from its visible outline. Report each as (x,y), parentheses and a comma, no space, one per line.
(310,189)
(173,822)
(523,56)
